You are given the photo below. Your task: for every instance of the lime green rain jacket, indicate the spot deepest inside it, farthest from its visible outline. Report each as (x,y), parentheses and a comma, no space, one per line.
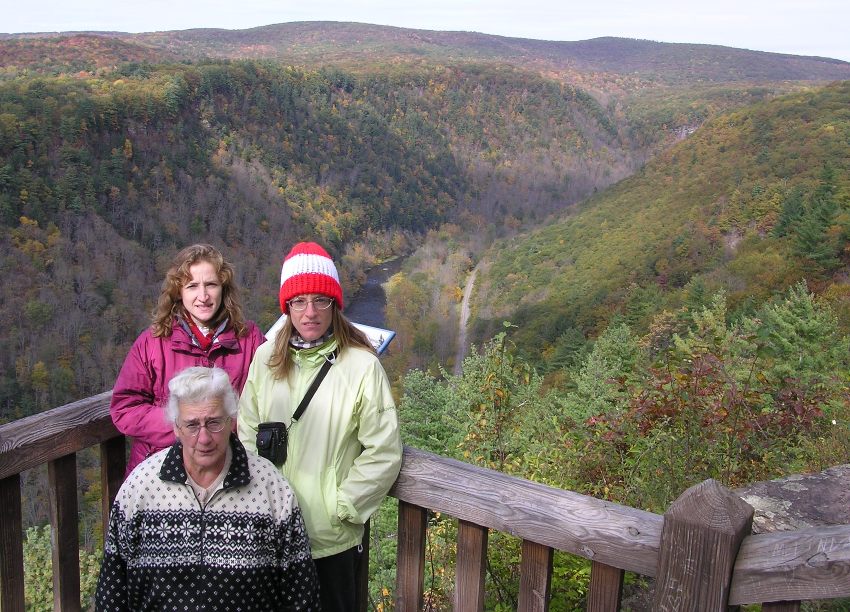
(344,453)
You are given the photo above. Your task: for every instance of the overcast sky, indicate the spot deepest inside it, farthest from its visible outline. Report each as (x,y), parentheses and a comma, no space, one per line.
(801,27)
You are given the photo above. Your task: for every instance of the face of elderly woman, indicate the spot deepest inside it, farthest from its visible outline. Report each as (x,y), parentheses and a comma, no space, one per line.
(204,430)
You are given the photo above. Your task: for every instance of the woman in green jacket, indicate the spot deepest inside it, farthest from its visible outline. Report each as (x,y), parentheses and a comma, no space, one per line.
(344,452)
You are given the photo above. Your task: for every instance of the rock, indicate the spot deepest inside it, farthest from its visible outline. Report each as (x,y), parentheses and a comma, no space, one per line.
(800,501)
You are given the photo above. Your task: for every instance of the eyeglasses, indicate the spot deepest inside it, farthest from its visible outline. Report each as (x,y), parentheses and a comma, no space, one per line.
(212,425)
(320,303)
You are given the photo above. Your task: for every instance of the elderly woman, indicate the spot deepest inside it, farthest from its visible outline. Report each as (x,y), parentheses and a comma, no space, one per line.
(204,524)
(344,450)
(197,322)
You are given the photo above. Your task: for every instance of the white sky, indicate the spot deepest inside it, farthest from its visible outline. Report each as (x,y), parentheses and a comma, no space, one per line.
(801,27)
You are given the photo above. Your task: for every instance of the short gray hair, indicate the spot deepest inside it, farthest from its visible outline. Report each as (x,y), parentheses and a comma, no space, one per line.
(197,384)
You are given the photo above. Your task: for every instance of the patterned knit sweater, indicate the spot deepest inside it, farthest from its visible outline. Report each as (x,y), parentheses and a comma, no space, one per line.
(247,549)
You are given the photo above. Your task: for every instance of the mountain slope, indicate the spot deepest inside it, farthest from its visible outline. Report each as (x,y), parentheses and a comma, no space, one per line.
(709,210)
(101,179)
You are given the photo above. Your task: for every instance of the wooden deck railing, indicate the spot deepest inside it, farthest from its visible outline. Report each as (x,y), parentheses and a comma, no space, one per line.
(700,552)
(54,437)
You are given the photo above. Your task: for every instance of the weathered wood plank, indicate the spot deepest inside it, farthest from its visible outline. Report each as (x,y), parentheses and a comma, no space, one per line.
(535,577)
(64,537)
(11,545)
(113,463)
(616,535)
(410,569)
(471,566)
(703,531)
(605,592)
(37,439)
(792,565)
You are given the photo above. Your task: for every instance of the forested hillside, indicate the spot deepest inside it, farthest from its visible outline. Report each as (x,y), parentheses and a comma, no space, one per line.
(108,166)
(360,44)
(753,202)
(102,179)
(71,54)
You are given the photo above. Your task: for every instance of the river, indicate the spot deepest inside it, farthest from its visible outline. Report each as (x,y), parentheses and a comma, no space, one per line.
(369,305)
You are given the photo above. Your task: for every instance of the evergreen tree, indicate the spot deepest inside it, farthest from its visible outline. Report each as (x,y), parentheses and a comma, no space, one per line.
(813,241)
(601,377)
(791,212)
(568,349)
(799,339)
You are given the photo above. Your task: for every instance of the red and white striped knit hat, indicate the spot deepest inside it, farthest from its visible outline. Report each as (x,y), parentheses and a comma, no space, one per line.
(308,269)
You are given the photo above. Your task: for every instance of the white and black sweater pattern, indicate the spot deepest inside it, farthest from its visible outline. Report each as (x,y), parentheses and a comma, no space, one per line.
(247,549)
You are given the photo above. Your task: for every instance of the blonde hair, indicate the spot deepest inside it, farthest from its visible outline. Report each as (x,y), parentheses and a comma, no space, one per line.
(170,303)
(345,333)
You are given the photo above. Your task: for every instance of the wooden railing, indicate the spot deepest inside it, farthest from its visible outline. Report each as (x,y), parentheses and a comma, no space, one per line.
(700,552)
(54,437)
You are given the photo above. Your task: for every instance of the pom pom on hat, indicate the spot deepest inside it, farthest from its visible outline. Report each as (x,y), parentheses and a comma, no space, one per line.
(308,269)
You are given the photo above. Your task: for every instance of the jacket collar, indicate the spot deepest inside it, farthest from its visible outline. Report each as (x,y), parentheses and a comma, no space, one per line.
(316,355)
(238,475)
(183,339)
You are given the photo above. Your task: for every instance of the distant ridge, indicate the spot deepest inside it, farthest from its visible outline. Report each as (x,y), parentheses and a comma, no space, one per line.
(329,42)
(76,52)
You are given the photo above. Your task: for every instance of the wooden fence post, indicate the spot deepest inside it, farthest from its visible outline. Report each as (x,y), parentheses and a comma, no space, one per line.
(410,561)
(702,532)
(11,545)
(535,578)
(471,566)
(64,537)
(605,593)
(113,461)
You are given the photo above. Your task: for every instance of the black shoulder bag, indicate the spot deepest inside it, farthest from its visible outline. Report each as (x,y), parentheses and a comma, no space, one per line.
(272,437)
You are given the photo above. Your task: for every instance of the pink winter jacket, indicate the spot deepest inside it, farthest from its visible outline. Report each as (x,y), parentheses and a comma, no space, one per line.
(141,390)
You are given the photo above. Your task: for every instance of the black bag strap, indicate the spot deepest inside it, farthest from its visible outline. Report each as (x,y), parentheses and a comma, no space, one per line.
(329,361)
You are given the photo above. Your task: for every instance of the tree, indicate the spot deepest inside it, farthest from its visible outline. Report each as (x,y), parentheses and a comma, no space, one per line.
(798,337)
(494,414)
(426,413)
(791,212)
(600,381)
(813,240)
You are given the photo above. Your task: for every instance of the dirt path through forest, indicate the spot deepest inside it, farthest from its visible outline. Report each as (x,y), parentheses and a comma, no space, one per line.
(464,321)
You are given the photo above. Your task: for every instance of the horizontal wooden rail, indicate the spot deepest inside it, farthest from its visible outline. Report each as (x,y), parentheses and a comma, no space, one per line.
(601,531)
(793,565)
(40,438)
(53,438)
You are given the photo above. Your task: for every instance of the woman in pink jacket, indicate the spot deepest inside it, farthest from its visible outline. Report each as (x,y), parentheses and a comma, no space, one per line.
(197,322)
